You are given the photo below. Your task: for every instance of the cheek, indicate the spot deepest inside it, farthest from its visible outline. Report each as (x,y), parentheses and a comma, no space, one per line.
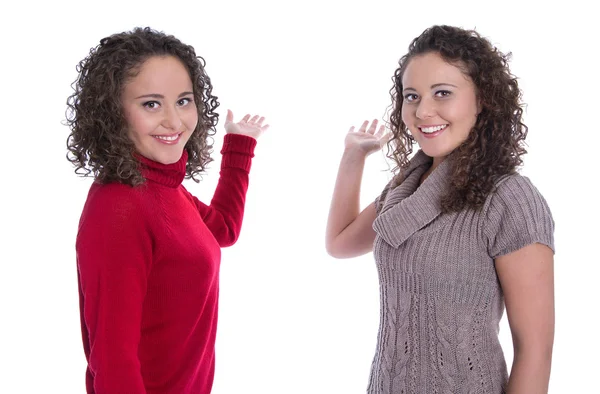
(191,120)
(407,115)
(470,116)
(464,114)
(467,111)
(138,123)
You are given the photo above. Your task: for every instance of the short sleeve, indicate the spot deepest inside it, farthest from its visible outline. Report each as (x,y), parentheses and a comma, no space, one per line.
(517,215)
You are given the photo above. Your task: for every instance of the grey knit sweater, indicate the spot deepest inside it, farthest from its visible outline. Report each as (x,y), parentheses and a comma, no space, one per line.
(441,301)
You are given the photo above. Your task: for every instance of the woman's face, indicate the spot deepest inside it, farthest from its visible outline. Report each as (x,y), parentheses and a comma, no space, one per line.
(439,106)
(159,108)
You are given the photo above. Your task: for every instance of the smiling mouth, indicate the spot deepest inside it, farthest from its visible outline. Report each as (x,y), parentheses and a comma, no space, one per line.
(432,129)
(168,139)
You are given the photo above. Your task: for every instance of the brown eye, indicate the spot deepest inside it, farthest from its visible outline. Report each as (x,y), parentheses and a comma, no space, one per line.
(151,104)
(410,97)
(184,101)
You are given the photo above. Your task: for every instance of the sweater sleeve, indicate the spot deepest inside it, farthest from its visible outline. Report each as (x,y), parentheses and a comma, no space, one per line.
(517,216)
(114,250)
(225,213)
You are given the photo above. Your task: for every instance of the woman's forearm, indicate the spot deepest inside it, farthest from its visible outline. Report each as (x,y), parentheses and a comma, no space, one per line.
(345,202)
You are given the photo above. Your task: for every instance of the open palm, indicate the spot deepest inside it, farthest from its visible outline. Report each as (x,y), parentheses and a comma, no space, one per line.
(367,140)
(249,126)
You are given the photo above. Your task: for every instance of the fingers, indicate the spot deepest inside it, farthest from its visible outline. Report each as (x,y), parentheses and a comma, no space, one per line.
(363,127)
(373,127)
(255,120)
(371,130)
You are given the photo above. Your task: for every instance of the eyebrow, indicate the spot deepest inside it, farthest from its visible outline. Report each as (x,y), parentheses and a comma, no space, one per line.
(160,96)
(432,86)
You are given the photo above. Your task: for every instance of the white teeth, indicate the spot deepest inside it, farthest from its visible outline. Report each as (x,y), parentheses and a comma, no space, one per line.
(166,138)
(433,129)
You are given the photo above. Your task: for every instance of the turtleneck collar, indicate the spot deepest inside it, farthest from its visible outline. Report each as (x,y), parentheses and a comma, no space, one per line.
(411,206)
(170,175)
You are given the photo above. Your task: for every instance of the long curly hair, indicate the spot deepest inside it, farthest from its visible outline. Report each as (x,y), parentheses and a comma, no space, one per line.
(98,144)
(495,144)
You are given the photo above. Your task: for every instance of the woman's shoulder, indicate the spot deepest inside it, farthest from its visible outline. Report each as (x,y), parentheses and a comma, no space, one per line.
(109,192)
(515,187)
(105,201)
(115,210)
(516,214)
(514,192)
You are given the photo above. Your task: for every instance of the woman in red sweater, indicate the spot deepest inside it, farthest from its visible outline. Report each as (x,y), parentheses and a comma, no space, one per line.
(148,252)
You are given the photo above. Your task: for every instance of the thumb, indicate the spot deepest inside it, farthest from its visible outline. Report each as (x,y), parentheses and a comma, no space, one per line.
(229,117)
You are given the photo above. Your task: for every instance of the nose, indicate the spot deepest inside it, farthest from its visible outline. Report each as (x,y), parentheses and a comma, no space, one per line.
(171,119)
(426,108)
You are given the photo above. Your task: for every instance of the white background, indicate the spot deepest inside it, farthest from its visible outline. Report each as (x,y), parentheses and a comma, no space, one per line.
(292,319)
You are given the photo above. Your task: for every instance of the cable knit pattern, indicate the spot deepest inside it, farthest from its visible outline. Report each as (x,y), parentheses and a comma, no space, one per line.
(441,301)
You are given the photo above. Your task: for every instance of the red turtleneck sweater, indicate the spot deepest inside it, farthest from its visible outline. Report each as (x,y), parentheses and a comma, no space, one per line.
(148,263)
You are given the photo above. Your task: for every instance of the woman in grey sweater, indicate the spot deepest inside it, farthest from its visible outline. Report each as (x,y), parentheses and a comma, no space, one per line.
(457,234)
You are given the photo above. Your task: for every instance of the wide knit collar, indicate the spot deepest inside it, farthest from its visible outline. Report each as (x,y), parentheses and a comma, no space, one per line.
(410,206)
(170,175)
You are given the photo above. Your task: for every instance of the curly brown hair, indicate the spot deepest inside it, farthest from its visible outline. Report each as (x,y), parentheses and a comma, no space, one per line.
(98,143)
(495,144)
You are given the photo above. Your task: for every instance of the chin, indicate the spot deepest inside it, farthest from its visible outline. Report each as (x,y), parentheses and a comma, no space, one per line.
(436,152)
(168,159)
